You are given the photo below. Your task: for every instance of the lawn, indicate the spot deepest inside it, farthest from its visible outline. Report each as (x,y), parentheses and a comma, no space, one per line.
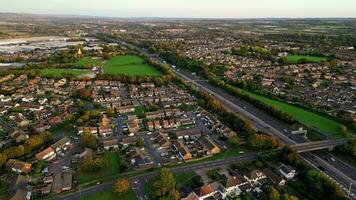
(293,59)
(113,168)
(130,65)
(109,195)
(322,123)
(88,62)
(58,73)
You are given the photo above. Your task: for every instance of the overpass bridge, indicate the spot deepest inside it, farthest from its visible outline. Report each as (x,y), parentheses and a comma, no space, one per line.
(318,145)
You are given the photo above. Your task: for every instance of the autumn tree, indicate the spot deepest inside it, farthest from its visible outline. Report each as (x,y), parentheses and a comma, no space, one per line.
(274,194)
(165,186)
(342,129)
(87,139)
(121,186)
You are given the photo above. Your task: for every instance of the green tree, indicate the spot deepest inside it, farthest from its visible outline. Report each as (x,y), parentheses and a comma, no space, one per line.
(140,143)
(165,186)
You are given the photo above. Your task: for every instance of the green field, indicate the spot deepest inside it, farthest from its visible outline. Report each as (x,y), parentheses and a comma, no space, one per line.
(113,168)
(323,123)
(109,195)
(293,59)
(57,72)
(88,62)
(130,65)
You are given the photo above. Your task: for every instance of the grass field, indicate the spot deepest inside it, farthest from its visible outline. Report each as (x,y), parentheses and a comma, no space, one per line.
(113,167)
(323,123)
(57,73)
(130,65)
(109,195)
(88,61)
(312,59)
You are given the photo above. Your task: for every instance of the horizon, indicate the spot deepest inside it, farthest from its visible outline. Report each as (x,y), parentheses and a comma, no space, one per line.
(184,9)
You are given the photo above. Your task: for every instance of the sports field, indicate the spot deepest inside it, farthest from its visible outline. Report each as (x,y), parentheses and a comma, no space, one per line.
(130,65)
(293,59)
(323,123)
(58,73)
(88,62)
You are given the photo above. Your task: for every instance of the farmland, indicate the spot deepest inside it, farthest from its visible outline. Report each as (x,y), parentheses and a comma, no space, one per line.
(293,59)
(129,65)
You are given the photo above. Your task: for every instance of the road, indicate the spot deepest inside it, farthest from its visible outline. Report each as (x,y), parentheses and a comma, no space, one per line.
(138,181)
(263,122)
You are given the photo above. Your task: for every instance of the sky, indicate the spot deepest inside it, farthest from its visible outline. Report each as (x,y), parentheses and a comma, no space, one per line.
(186,8)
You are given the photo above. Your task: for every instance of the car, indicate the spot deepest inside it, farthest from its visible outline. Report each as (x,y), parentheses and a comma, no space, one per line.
(98,183)
(333,159)
(241,152)
(65,167)
(149,133)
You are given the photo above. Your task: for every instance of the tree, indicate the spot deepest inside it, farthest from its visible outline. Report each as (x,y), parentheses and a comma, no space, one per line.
(165,186)
(83,93)
(274,194)
(89,140)
(342,130)
(121,186)
(140,143)
(234,141)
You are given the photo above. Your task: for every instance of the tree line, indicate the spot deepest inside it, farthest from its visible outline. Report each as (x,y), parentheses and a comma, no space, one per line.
(31,144)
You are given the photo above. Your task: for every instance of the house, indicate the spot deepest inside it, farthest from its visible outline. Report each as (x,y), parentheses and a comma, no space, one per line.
(92,130)
(150,125)
(87,152)
(183,151)
(139,159)
(19,136)
(155,114)
(21,195)
(233,184)
(105,131)
(128,141)
(162,140)
(18,166)
(190,133)
(210,145)
(212,191)
(132,124)
(125,109)
(110,144)
(57,183)
(273,177)
(286,171)
(47,154)
(67,181)
(62,144)
(255,176)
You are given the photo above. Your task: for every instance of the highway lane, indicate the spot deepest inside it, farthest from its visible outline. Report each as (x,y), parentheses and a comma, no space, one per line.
(265,125)
(138,181)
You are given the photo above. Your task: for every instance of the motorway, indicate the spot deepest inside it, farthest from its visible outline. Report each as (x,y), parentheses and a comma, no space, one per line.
(137,182)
